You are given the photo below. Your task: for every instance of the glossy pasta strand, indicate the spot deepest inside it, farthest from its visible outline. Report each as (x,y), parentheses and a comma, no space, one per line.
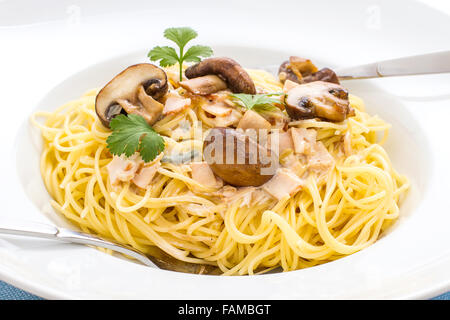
(331,217)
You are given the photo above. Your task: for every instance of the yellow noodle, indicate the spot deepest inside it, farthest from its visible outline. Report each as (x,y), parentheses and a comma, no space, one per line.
(329,218)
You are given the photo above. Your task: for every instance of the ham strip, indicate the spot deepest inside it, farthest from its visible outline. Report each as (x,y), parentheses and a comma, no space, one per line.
(175,105)
(218,109)
(285,141)
(252,120)
(284,183)
(228,120)
(303,139)
(202,173)
(145,175)
(320,160)
(122,168)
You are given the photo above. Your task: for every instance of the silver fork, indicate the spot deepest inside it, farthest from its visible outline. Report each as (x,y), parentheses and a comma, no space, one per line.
(430,63)
(45,231)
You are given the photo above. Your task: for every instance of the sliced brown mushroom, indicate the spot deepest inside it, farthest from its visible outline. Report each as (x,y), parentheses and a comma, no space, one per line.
(302,70)
(135,90)
(236,78)
(318,99)
(239,159)
(324,74)
(302,66)
(286,73)
(295,69)
(204,85)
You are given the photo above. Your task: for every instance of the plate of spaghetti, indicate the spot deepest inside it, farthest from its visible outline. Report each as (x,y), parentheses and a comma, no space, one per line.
(248,170)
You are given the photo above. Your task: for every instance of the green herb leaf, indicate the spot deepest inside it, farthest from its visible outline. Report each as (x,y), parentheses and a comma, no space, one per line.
(181,36)
(265,108)
(195,52)
(168,56)
(133,134)
(258,102)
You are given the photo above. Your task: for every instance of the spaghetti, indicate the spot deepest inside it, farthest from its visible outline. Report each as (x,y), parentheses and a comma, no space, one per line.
(332,216)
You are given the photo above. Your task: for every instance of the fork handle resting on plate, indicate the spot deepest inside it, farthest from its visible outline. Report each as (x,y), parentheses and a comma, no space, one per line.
(430,63)
(45,231)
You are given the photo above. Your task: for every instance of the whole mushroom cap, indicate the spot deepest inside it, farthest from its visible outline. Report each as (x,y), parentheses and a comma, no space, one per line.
(249,164)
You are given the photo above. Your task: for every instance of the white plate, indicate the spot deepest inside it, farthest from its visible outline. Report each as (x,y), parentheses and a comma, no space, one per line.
(411,261)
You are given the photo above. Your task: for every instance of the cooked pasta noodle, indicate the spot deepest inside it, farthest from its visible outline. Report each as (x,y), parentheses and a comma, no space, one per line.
(332,216)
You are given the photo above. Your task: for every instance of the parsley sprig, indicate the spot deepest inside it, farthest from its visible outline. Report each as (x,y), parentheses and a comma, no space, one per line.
(258,102)
(168,56)
(133,134)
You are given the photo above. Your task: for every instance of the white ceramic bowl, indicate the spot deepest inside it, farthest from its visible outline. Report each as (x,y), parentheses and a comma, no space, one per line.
(411,261)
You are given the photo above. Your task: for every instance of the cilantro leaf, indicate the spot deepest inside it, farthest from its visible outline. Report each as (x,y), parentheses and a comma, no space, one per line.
(133,134)
(258,102)
(168,56)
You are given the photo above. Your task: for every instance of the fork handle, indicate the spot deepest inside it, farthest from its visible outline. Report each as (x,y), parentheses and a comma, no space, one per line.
(45,231)
(431,63)
(27,228)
